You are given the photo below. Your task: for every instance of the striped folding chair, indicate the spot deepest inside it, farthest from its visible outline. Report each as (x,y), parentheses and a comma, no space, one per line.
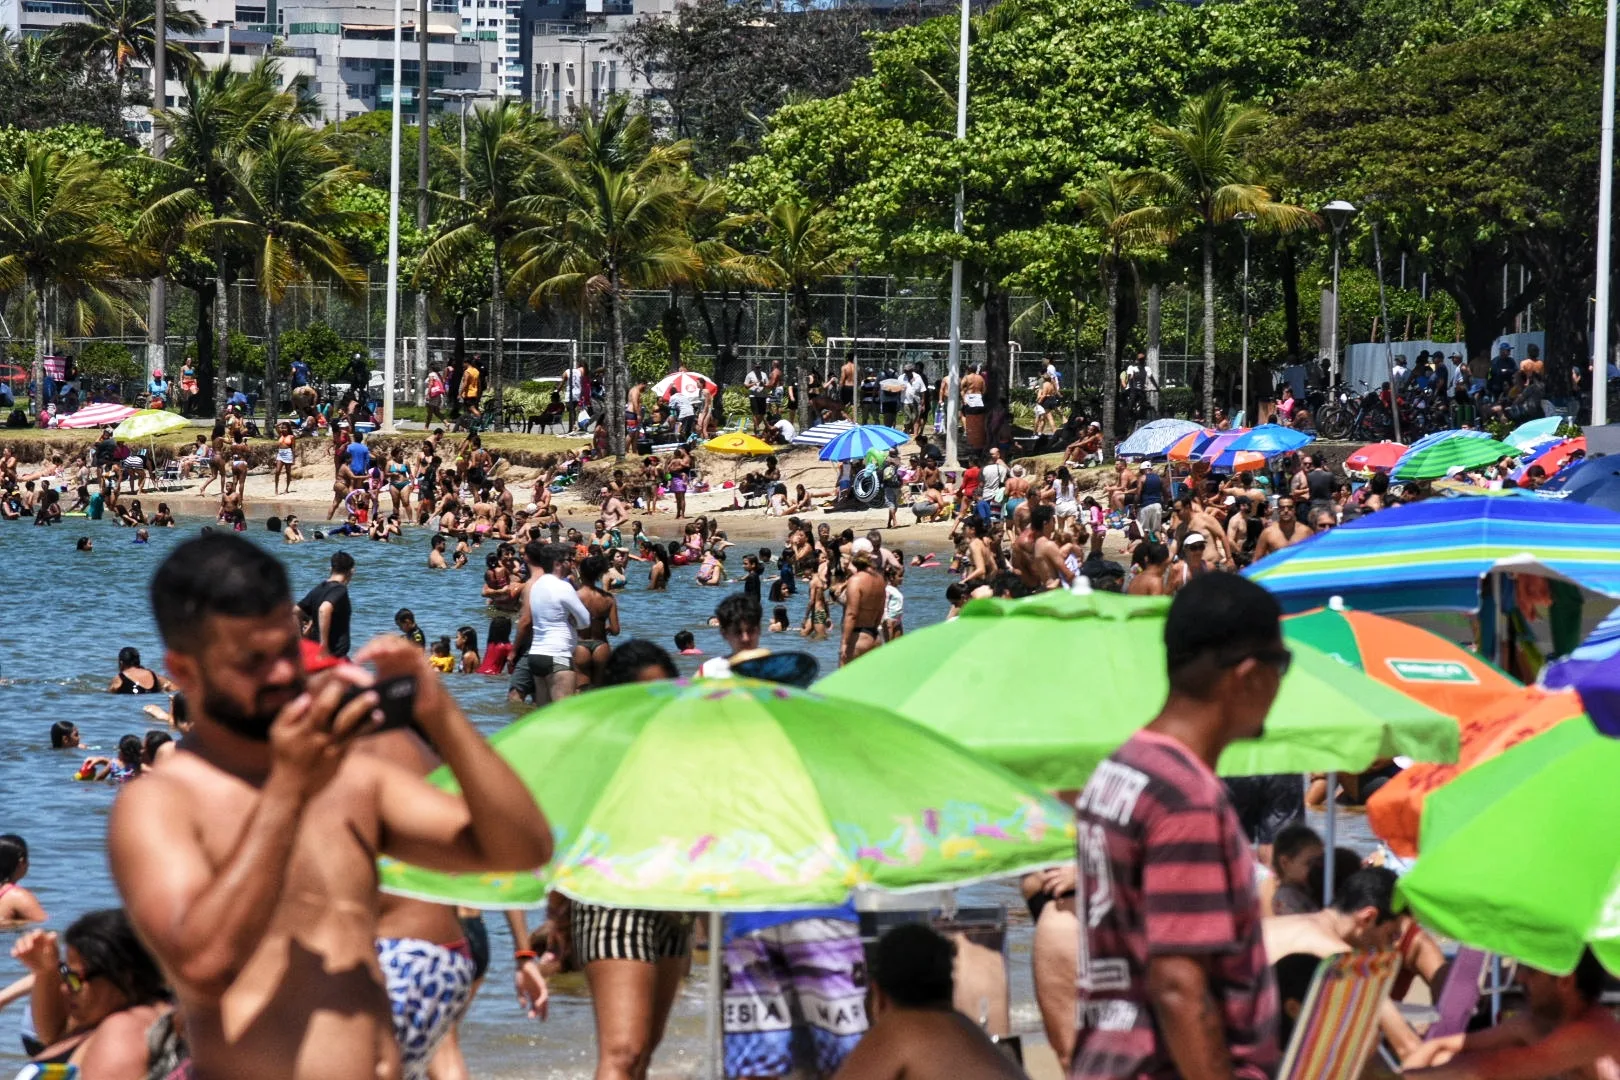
(1338,1026)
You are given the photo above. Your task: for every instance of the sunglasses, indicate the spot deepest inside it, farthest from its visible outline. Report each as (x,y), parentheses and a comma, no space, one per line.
(73,980)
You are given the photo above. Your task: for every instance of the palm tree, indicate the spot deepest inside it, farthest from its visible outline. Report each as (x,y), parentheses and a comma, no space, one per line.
(226,114)
(1207,181)
(799,247)
(613,223)
(1107,205)
(120,33)
(56,233)
(285,208)
(501,166)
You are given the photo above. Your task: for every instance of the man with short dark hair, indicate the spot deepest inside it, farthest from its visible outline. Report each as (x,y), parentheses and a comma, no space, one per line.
(327,606)
(550,617)
(1174,979)
(916,1034)
(248,862)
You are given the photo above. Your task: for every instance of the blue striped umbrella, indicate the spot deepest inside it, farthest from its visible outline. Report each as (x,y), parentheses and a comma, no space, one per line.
(1155,438)
(857,442)
(1430,556)
(822,434)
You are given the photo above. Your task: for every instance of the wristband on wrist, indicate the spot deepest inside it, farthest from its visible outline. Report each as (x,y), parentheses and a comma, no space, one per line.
(525,954)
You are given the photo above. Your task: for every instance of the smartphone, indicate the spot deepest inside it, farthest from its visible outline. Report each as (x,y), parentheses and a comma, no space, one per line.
(396,698)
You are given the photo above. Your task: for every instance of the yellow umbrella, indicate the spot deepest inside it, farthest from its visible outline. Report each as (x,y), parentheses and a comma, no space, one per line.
(149,423)
(738,442)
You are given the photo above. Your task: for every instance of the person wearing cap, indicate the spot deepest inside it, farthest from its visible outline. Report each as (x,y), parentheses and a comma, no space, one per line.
(863,604)
(158,390)
(1502,370)
(1191,518)
(1189,563)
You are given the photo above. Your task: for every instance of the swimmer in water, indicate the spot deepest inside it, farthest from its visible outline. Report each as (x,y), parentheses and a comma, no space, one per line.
(17,904)
(925,562)
(686,644)
(65,735)
(132,678)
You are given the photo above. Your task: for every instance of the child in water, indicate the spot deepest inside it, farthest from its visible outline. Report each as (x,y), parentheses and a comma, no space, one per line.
(686,644)
(441,659)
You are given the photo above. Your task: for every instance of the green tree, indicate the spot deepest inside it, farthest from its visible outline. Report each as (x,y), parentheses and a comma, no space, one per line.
(121,33)
(1206,181)
(286,208)
(226,114)
(326,352)
(504,146)
(1108,205)
(39,91)
(613,224)
(798,248)
(56,235)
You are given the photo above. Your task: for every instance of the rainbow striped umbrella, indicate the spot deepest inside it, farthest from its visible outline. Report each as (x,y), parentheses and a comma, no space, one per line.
(1430,556)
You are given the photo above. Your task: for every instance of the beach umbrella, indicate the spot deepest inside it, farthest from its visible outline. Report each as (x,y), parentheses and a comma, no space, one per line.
(739,442)
(11,373)
(1533,431)
(738,795)
(1420,664)
(101,415)
(1395,810)
(1432,462)
(1376,457)
(822,434)
(149,424)
(1551,458)
(1271,439)
(1236,461)
(1154,438)
(684,382)
(857,442)
(1431,555)
(1592,670)
(1002,679)
(1519,856)
(1590,481)
(1196,445)
(1434,438)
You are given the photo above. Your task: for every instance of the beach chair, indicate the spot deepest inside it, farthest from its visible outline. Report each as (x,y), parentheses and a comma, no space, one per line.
(1338,1027)
(1459,998)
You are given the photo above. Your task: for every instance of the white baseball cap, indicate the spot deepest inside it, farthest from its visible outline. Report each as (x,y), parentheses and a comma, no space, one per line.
(862,546)
(1194,538)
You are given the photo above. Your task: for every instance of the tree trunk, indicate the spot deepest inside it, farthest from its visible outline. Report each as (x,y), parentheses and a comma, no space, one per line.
(497,313)
(801,335)
(419,369)
(1209,325)
(205,342)
(222,360)
(272,365)
(461,340)
(1111,355)
(618,375)
(1155,322)
(997,353)
(1290,291)
(41,336)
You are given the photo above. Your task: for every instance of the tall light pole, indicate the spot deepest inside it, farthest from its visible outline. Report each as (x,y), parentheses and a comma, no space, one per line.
(157,323)
(1389,348)
(391,320)
(583,40)
(419,369)
(463,96)
(953,357)
(1244,219)
(1339,214)
(1600,328)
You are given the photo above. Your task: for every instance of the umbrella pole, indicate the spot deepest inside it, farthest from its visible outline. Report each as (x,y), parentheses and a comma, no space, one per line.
(1328,839)
(711,1014)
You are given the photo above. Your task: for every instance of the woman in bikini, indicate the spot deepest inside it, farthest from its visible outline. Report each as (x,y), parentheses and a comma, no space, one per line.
(501,591)
(399,481)
(284,457)
(657,569)
(215,461)
(239,458)
(591,652)
(817,616)
(17,904)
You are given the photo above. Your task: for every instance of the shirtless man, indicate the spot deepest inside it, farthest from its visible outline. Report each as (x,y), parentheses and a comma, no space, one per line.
(1190,517)
(1284,532)
(248,862)
(1149,581)
(846,386)
(1036,558)
(593,648)
(1565,1032)
(613,511)
(1359,918)
(915,1032)
(863,605)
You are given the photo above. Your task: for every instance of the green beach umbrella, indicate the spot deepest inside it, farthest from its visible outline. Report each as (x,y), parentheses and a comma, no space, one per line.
(149,424)
(1520,855)
(740,795)
(1051,684)
(1434,461)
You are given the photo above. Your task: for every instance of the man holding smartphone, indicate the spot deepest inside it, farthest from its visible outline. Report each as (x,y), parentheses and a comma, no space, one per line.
(248,866)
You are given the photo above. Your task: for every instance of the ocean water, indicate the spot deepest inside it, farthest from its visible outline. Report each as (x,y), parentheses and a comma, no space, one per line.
(70,614)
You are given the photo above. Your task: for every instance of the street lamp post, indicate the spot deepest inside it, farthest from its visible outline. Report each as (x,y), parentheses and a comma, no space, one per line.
(953,360)
(391,319)
(1245,219)
(1339,214)
(157,324)
(1600,328)
(583,40)
(463,96)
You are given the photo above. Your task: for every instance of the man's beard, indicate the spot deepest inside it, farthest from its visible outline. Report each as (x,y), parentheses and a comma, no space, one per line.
(253,725)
